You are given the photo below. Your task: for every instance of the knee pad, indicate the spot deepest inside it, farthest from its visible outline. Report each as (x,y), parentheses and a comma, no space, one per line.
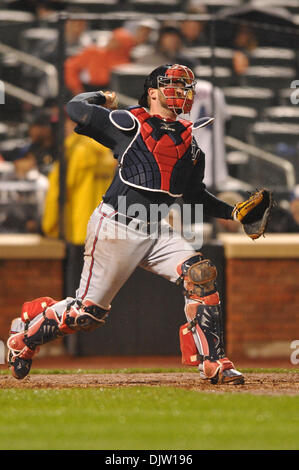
(199,278)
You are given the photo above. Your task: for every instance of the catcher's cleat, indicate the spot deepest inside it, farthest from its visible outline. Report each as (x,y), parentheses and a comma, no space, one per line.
(220,372)
(19,367)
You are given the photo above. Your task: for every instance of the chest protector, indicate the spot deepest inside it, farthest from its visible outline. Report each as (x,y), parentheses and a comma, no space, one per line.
(161,156)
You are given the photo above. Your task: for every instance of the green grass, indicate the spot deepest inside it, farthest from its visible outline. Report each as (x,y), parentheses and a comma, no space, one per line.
(146,418)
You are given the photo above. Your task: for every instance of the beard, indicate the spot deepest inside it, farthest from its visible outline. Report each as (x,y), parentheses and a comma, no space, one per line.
(164,105)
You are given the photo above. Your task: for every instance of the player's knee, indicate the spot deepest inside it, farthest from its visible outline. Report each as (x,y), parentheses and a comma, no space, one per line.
(198,275)
(82,316)
(48,325)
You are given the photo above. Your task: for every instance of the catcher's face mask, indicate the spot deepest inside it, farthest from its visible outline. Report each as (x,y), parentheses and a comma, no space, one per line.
(178,87)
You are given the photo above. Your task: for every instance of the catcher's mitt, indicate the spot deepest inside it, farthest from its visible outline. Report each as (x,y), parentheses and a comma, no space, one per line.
(254,213)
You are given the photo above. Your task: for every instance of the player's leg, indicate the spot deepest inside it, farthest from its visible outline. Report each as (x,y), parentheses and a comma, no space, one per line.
(201,338)
(205,328)
(112,253)
(43,320)
(108,264)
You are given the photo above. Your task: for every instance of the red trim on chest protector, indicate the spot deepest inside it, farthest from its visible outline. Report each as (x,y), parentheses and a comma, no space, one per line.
(164,150)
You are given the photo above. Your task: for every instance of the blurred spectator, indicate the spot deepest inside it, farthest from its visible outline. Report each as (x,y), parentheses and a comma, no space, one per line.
(44,9)
(41,145)
(284,215)
(46,48)
(23,189)
(282,220)
(25,185)
(90,169)
(168,49)
(145,31)
(92,67)
(195,6)
(74,30)
(294,205)
(245,41)
(203,106)
(193,33)
(146,34)
(42,42)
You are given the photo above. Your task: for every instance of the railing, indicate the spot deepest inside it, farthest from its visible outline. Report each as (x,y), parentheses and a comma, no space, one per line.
(48,69)
(268,157)
(23,95)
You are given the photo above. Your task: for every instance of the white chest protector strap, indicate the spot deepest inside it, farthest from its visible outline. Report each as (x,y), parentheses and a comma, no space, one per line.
(123,120)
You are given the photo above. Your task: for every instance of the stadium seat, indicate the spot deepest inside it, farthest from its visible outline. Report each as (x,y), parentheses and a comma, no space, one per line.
(257,98)
(291,5)
(222,75)
(287,114)
(93,6)
(141,51)
(96,37)
(272,56)
(214,6)
(42,43)
(279,138)
(32,37)
(12,23)
(9,148)
(3,131)
(287,95)
(242,118)
(273,77)
(16,16)
(11,69)
(154,6)
(237,163)
(222,56)
(129,79)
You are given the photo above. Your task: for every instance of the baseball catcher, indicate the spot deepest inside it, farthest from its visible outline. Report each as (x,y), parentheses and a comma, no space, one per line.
(158,161)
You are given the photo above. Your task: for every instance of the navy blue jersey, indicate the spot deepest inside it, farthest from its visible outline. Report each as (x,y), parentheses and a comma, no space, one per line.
(93,120)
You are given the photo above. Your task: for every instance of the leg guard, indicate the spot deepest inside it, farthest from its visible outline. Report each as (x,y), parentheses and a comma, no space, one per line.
(42,327)
(199,278)
(201,339)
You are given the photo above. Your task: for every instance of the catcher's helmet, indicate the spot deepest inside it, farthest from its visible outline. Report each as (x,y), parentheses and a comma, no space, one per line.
(166,78)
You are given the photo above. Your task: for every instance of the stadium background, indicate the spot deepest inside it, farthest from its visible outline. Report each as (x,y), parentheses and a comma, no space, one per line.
(258,281)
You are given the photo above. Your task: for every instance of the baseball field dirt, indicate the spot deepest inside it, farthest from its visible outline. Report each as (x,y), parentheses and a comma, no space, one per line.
(286,383)
(262,377)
